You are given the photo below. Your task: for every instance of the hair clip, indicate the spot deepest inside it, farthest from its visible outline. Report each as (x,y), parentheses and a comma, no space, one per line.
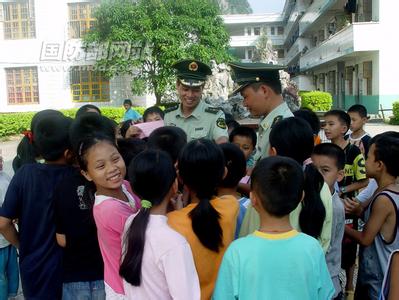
(29,135)
(80,148)
(146,204)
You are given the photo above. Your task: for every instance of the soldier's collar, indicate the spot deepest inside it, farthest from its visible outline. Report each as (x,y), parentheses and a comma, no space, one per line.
(269,120)
(196,113)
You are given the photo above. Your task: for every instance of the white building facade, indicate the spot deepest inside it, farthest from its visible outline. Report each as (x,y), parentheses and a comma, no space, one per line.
(346,48)
(42,64)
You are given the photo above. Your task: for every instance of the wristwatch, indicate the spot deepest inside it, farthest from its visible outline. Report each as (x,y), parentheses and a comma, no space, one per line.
(343,189)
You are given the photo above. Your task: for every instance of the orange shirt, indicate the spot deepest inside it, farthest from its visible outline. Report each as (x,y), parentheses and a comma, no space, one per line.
(207,262)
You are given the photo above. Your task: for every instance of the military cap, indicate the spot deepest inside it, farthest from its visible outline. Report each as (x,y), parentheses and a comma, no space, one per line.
(245,74)
(192,72)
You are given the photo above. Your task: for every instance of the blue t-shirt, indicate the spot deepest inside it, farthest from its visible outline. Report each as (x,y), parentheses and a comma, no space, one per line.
(265,266)
(131,114)
(29,199)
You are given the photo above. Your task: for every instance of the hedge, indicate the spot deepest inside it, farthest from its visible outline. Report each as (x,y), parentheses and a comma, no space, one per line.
(316,100)
(395,118)
(15,123)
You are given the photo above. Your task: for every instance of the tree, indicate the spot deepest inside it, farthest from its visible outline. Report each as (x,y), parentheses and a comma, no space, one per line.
(158,33)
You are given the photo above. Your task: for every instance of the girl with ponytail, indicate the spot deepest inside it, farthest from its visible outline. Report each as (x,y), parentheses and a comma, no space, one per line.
(157,262)
(208,222)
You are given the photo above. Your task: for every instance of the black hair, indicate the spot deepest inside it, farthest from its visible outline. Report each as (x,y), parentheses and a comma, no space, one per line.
(360,109)
(86,109)
(386,150)
(90,125)
(152,110)
(235,163)
(129,149)
(125,127)
(332,151)
(275,85)
(309,116)
(127,101)
(293,137)
(342,116)
(230,122)
(279,183)
(51,136)
(151,174)
(26,150)
(170,139)
(244,131)
(201,168)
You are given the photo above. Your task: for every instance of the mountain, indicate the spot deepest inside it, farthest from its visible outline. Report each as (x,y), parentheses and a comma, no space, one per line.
(234,7)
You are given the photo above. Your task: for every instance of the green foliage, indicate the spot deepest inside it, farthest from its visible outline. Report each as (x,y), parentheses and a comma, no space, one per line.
(395,118)
(316,100)
(159,33)
(15,123)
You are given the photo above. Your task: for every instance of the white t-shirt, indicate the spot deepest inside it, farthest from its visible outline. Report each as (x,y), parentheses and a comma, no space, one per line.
(167,270)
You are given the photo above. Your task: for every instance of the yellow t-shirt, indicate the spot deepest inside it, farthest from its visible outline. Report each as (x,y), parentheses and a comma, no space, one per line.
(207,262)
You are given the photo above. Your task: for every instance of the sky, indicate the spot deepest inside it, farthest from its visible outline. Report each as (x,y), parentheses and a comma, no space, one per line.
(266,6)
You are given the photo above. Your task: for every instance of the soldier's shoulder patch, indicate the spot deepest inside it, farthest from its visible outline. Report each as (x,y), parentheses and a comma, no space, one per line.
(172,108)
(276,120)
(212,110)
(221,123)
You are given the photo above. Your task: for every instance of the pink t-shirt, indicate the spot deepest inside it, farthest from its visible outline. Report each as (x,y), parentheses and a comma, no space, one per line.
(167,271)
(110,215)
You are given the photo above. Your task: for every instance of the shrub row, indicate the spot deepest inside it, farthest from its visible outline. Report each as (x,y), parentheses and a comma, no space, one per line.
(316,100)
(15,123)
(395,109)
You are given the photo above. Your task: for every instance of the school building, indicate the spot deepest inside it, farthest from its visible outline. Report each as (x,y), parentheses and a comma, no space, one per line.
(344,47)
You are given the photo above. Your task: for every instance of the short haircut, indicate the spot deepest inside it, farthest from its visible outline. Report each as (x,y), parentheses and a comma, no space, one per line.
(309,116)
(127,101)
(360,109)
(279,183)
(152,110)
(273,84)
(51,136)
(332,151)
(86,109)
(342,116)
(124,127)
(130,148)
(235,163)
(170,139)
(386,150)
(244,131)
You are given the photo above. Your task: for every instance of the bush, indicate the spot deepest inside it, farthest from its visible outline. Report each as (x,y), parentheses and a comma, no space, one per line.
(395,118)
(15,123)
(316,100)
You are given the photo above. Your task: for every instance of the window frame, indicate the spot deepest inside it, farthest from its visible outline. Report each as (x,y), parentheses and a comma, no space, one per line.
(86,88)
(22,78)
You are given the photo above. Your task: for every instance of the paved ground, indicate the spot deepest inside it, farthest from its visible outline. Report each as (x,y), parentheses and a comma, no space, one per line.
(9,148)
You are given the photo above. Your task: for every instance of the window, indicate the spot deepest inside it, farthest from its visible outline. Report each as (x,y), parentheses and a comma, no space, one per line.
(322,82)
(280,30)
(331,82)
(280,53)
(368,75)
(256,30)
(249,54)
(80,19)
(248,31)
(272,31)
(19,20)
(349,79)
(88,85)
(22,85)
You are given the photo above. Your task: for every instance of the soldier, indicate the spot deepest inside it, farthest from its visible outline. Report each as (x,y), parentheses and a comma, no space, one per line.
(260,86)
(195,117)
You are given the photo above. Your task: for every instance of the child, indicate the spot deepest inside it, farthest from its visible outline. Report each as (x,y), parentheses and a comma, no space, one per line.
(359,137)
(153,113)
(275,262)
(208,222)
(29,199)
(245,139)
(337,124)
(130,113)
(329,159)
(101,163)
(379,237)
(157,262)
(170,139)
(235,164)
(129,148)
(292,137)
(9,274)
(87,108)
(313,120)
